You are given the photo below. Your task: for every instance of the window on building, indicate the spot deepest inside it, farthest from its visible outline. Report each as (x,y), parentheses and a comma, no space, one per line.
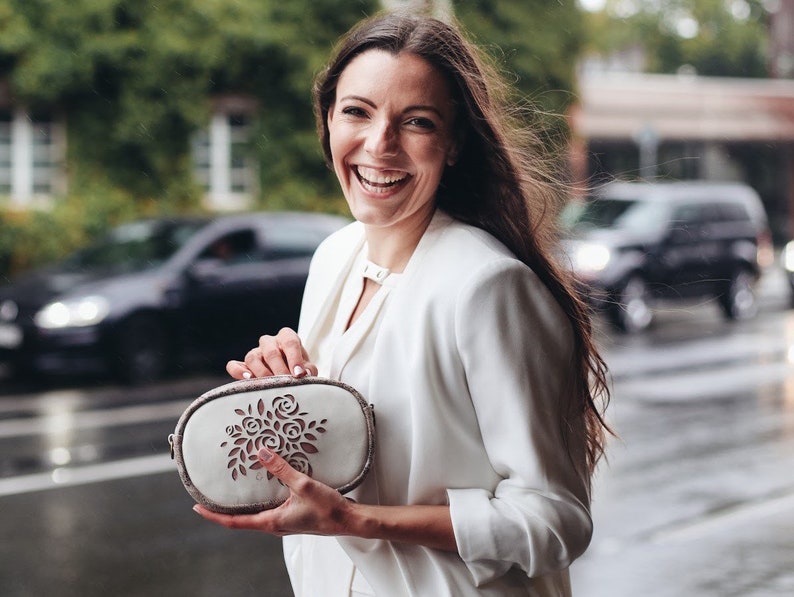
(29,155)
(223,163)
(5,153)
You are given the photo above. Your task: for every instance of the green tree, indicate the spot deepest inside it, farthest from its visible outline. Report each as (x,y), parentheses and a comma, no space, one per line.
(134,79)
(535,41)
(715,37)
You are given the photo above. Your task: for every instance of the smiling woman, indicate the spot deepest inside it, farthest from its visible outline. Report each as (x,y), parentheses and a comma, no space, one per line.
(391,138)
(443,306)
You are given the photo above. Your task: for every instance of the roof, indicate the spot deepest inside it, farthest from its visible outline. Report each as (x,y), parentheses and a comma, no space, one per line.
(628,106)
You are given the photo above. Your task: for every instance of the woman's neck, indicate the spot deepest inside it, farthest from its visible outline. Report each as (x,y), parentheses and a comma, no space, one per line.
(392,247)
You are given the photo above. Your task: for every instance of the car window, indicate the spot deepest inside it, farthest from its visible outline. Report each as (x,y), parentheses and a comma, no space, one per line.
(133,247)
(688,215)
(287,241)
(638,216)
(734,212)
(232,248)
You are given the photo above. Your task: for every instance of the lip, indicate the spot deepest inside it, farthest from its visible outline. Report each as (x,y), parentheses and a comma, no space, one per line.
(381,189)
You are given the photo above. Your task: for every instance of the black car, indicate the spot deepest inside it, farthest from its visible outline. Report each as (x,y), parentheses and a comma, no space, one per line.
(159,294)
(633,245)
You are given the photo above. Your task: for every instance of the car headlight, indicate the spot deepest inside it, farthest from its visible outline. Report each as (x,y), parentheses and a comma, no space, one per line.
(788,256)
(591,257)
(81,312)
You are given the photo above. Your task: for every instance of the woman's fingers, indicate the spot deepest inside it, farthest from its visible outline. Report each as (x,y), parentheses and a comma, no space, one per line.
(281,469)
(295,355)
(312,507)
(282,354)
(238,370)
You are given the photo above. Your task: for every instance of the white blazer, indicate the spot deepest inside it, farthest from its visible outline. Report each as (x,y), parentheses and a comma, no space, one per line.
(474,355)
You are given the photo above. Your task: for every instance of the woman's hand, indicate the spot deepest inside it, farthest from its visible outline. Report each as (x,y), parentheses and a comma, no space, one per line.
(282,354)
(311,507)
(317,509)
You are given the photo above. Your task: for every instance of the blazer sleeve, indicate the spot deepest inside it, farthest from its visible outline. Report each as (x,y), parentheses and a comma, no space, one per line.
(516,347)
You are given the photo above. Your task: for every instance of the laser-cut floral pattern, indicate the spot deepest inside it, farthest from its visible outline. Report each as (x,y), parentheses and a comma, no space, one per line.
(283,429)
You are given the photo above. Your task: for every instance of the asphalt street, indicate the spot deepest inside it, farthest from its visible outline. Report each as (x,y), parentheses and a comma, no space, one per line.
(697,498)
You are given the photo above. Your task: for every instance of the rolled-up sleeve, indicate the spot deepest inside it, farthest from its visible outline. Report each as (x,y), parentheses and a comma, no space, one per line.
(516,347)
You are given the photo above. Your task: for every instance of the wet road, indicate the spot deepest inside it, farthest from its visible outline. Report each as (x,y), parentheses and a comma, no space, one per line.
(698,496)
(697,499)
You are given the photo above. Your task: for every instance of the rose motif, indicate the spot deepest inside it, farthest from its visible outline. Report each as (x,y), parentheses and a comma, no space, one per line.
(271,440)
(293,430)
(282,429)
(285,405)
(300,463)
(252,425)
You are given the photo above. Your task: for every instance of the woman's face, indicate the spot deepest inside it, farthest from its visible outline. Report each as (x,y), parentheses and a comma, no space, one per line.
(390,131)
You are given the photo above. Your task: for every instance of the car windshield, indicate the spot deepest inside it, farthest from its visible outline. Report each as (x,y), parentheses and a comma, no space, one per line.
(134,247)
(607,213)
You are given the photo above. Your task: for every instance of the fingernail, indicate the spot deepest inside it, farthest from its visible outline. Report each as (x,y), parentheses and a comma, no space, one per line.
(196,509)
(247,375)
(298,371)
(265,455)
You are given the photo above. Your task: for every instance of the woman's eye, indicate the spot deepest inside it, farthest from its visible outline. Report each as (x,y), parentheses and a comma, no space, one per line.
(353,111)
(423,123)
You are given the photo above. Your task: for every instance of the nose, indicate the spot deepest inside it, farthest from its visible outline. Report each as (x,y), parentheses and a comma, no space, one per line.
(382,140)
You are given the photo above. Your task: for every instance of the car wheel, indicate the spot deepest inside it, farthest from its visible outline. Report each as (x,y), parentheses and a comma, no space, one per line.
(142,353)
(739,300)
(631,312)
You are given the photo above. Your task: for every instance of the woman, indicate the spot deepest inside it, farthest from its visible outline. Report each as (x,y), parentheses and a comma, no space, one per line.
(442,305)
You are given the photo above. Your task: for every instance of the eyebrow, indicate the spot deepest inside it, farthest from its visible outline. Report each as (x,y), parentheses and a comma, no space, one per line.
(369,102)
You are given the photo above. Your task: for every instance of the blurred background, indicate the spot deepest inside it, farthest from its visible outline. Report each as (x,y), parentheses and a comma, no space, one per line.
(144,148)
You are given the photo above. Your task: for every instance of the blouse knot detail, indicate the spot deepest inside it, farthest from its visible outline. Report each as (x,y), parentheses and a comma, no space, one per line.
(375,272)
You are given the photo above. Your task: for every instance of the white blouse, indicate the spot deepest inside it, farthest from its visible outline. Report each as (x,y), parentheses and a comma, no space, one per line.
(344,353)
(466,358)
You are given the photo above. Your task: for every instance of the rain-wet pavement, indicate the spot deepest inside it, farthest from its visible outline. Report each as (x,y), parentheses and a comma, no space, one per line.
(697,498)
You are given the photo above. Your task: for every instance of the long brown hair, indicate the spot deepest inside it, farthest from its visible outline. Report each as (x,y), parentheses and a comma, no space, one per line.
(504,180)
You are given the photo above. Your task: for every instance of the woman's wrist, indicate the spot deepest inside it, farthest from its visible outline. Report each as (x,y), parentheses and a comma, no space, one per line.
(358,521)
(430,526)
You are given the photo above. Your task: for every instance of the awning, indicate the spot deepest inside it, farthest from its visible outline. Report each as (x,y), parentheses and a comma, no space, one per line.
(667,107)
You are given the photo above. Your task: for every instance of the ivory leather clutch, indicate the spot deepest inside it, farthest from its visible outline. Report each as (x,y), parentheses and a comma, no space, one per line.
(322,427)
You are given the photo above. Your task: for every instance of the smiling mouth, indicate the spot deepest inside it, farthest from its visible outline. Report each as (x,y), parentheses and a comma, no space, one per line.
(377,181)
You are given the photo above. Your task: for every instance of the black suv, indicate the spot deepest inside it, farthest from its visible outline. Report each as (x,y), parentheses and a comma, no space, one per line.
(632,245)
(156,295)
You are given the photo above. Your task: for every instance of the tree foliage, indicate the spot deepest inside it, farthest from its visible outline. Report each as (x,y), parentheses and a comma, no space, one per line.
(134,79)
(715,37)
(536,42)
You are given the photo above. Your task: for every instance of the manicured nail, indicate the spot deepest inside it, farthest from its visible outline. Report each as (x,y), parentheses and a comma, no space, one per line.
(196,509)
(298,371)
(246,375)
(265,455)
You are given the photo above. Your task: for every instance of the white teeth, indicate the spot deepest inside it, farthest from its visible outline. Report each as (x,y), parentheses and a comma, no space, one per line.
(370,176)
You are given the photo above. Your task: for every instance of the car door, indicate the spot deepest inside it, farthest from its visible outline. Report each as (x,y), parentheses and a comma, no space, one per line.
(221,287)
(246,283)
(686,252)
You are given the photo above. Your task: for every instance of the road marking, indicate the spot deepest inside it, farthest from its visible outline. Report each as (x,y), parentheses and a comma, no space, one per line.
(74,421)
(83,475)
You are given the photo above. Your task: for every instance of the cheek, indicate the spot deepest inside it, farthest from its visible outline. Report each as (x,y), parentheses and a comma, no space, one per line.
(340,145)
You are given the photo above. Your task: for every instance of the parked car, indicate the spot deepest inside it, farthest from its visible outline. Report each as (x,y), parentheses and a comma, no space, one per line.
(157,294)
(633,246)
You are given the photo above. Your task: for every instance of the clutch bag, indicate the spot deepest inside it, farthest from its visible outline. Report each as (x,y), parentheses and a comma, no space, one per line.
(321,427)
